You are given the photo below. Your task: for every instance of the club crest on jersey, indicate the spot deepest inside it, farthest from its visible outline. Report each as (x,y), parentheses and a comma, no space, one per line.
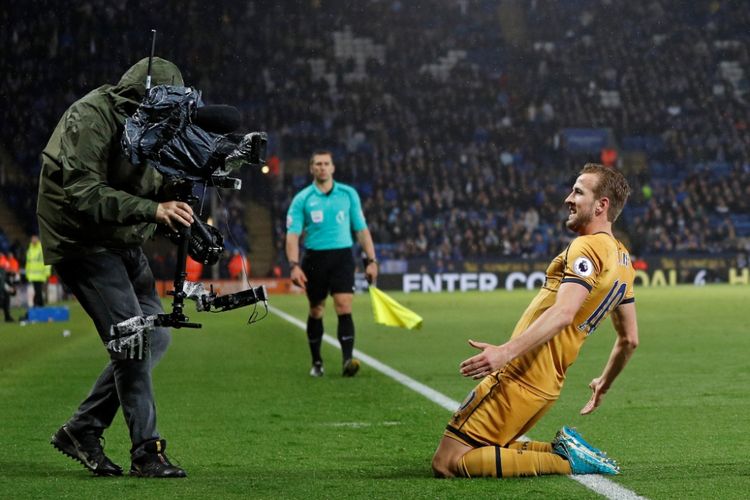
(583,267)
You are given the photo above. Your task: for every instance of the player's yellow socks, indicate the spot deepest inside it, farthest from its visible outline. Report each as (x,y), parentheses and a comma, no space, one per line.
(518,462)
(531,446)
(492,461)
(481,462)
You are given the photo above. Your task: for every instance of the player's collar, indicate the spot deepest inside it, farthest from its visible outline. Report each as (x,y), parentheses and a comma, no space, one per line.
(326,193)
(604,232)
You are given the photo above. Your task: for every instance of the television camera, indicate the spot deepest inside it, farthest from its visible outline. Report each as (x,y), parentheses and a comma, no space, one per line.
(191,145)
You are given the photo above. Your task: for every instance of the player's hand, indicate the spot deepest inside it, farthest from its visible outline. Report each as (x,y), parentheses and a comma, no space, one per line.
(174,214)
(597,386)
(492,357)
(298,277)
(371,272)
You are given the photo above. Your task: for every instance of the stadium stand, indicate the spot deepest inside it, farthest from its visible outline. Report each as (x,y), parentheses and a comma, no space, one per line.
(460,123)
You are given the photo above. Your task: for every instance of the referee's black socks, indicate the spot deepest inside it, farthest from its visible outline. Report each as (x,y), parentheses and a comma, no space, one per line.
(315,337)
(346,335)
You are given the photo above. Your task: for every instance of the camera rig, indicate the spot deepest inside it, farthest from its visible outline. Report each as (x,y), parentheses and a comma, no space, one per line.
(163,134)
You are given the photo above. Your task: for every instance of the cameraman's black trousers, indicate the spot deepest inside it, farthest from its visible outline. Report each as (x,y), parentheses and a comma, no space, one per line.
(113,286)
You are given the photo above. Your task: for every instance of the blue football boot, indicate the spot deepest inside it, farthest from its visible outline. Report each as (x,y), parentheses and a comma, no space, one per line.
(583,458)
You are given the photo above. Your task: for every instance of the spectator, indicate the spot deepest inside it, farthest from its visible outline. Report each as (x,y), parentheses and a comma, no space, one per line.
(7,288)
(193,269)
(238,266)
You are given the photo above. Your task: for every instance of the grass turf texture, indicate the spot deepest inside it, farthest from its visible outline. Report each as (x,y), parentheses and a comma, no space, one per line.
(242,416)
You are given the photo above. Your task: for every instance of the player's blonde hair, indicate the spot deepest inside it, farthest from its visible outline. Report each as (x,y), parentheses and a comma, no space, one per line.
(612,185)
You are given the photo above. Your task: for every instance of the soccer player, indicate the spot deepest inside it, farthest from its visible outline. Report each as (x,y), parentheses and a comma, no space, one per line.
(522,378)
(328,212)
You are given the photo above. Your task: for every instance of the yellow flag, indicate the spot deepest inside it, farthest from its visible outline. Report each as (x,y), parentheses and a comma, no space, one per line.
(389,312)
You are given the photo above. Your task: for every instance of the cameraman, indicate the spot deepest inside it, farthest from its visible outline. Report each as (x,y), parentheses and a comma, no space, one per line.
(95,211)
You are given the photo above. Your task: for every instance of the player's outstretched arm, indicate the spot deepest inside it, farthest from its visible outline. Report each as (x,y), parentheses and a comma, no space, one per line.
(569,299)
(626,324)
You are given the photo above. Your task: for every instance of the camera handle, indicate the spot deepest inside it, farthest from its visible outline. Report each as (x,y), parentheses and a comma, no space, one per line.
(183,289)
(177,319)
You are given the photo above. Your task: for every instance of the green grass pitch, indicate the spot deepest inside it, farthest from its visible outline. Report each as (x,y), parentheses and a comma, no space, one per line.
(242,416)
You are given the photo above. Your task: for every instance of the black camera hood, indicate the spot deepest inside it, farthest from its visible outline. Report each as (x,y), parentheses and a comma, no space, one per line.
(162,134)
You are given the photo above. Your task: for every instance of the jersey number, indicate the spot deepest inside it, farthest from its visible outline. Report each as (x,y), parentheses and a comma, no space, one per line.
(612,300)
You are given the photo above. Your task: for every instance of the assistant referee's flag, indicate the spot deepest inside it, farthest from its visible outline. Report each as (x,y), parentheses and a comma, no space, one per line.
(389,312)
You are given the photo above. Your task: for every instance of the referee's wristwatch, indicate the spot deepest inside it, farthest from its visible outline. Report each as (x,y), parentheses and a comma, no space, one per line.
(371,261)
(293,264)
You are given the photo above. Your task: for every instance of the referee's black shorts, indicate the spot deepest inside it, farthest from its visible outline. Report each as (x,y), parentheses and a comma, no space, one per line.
(328,271)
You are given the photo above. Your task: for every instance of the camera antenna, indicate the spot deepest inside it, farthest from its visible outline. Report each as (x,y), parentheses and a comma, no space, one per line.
(150,58)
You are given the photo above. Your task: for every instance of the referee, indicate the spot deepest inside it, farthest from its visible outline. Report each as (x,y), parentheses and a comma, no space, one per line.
(327,212)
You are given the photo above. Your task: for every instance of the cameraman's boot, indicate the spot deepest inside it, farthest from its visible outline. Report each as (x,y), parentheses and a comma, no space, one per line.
(86,447)
(149,460)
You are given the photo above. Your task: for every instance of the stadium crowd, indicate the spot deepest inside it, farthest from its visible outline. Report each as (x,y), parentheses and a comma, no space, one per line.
(448,117)
(464,165)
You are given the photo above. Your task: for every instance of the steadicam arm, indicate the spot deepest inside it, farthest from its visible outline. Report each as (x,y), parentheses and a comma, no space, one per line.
(205,300)
(129,338)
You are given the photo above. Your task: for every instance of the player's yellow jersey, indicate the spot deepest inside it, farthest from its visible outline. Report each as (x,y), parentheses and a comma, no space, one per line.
(598,262)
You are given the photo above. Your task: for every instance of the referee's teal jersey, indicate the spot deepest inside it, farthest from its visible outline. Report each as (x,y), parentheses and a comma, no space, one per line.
(328,219)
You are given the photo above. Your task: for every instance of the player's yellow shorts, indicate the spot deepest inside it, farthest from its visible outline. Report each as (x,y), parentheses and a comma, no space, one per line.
(497,412)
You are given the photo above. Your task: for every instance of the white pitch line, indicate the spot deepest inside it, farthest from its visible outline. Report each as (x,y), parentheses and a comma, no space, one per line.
(606,488)
(598,484)
(409,382)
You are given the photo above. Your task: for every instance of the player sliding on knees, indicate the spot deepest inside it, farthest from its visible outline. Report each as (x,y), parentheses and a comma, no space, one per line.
(522,378)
